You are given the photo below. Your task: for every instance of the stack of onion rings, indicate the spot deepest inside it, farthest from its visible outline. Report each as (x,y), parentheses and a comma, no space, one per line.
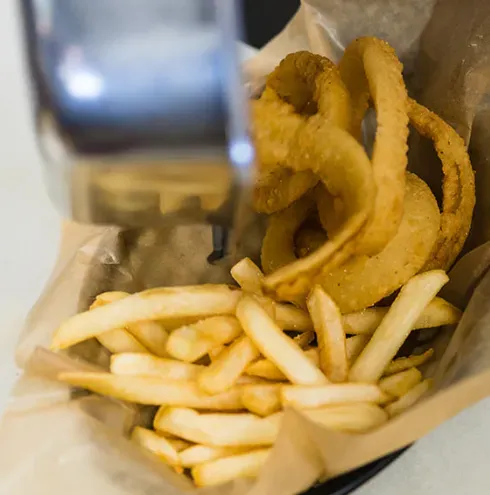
(357,283)
(344,168)
(307,128)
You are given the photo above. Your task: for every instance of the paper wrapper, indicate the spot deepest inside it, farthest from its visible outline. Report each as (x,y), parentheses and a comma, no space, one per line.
(56,442)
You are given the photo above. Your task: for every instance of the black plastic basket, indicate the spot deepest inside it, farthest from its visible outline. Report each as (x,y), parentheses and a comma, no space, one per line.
(347,483)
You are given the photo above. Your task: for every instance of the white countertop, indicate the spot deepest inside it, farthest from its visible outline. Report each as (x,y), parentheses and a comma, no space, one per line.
(454,459)
(30,230)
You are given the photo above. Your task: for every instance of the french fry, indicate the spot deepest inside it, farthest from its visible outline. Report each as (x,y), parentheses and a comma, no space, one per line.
(330,335)
(171,324)
(143,336)
(178,444)
(305,339)
(156,444)
(275,345)
(108,297)
(313,355)
(267,304)
(151,334)
(146,364)
(218,429)
(201,424)
(229,468)
(400,383)
(197,454)
(215,352)
(153,390)
(409,399)
(227,368)
(437,313)
(289,317)
(189,344)
(324,395)
(354,346)
(396,326)
(351,418)
(152,304)
(248,276)
(263,399)
(120,340)
(264,368)
(192,342)
(251,380)
(405,363)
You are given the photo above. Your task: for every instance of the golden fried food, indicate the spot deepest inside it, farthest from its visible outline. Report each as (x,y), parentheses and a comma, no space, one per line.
(275,124)
(305,84)
(396,326)
(226,408)
(458,186)
(373,75)
(308,239)
(278,189)
(346,232)
(278,243)
(363,281)
(153,304)
(331,209)
(344,168)
(312,84)
(372,72)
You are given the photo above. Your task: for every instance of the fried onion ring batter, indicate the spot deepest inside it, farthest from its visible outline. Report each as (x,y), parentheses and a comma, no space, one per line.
(283,226)
(275,125)
(458,188)
(371,71)
(331,210)
(308,239)
(305,84)
(363,281)
(344,168)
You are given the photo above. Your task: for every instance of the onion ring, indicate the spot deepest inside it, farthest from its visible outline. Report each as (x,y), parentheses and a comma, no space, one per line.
(312,84)
(280,188)
(283,226)
(344,168)
(363,281)
(331,210)
(371,70)
(275,125)
(458,187)
(304,83)
(308,239)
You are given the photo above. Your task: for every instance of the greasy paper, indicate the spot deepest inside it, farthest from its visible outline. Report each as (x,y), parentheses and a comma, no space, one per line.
(76,444)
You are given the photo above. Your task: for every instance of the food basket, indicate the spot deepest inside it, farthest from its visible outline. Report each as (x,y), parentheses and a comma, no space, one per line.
(446,57)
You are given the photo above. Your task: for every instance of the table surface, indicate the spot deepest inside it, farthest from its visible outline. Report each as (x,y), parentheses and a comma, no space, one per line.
(452,460)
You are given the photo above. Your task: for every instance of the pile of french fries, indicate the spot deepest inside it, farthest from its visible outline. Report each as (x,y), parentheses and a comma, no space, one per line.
(223,363)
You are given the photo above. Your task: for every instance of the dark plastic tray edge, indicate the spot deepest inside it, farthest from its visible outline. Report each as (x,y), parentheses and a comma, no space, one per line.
(347,483)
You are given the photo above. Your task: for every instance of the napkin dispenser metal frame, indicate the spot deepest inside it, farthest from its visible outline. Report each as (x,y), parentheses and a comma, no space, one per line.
(140,109)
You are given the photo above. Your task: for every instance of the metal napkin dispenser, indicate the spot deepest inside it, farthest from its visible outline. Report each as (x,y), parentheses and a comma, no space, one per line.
(140,110)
